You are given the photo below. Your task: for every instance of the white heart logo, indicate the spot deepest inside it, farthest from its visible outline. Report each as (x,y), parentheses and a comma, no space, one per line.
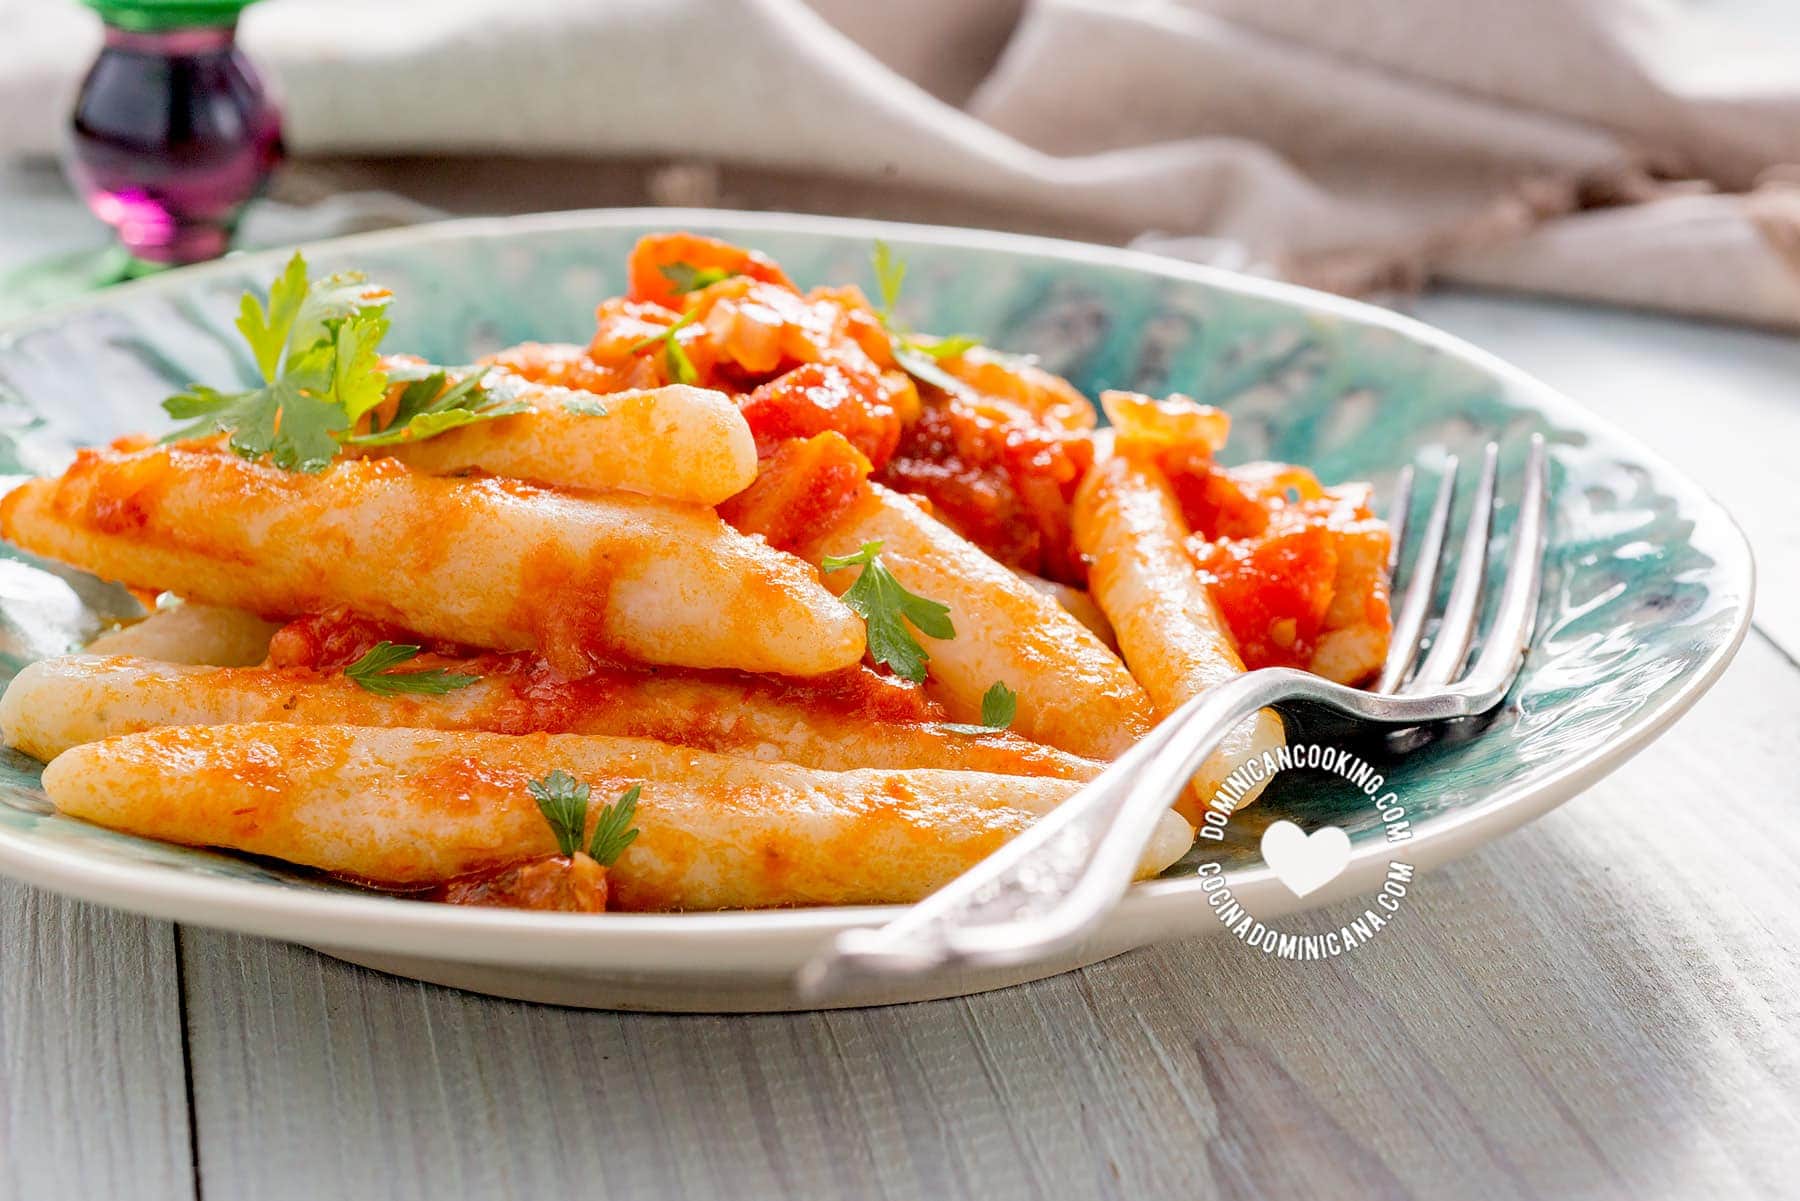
(1303,862)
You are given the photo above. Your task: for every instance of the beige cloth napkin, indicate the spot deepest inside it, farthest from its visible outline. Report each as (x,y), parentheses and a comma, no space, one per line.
(1621,150)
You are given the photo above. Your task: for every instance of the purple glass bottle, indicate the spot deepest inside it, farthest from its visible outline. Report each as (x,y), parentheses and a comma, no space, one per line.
(173,132)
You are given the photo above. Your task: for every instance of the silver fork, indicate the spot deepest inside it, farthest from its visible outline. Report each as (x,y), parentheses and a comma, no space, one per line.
(1047,889)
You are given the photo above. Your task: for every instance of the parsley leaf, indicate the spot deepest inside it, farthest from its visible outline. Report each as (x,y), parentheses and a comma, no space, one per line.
(197,401)
(334,299)
(914,353)
(613,831)
(371,673)
(675,359)
(921,367)
(267,329)
(890,273)
(284,419)
(426,407)
(882,601)
(681,368)
(563,800)
(942,348)
(685,277)
(316,347)
(586,406)
(999,704)
(357,381)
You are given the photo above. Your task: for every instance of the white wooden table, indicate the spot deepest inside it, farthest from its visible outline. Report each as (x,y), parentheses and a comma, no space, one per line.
(1605,1004)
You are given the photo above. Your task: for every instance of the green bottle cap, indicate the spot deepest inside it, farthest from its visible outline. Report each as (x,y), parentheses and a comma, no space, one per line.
(151,16)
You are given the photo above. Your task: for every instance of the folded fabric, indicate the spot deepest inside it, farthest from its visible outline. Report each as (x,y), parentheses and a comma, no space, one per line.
(1609,149)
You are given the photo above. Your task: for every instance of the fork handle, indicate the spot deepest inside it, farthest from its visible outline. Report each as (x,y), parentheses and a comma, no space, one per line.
(1044,891)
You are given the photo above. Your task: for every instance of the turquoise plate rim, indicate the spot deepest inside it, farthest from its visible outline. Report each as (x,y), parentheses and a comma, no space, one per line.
(379,923)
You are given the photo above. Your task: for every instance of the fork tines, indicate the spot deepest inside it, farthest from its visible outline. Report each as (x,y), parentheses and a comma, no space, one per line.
(1454,633)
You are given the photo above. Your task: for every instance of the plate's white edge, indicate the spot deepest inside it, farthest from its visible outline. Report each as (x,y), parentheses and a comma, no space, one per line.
(545,940)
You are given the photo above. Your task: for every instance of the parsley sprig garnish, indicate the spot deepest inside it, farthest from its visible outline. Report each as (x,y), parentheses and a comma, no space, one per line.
(999,704)
(685,277)
(371,673)
(675,359)
(563,800)
(317,347)
(427,407)
(613,831)
(914,352)
(886,607)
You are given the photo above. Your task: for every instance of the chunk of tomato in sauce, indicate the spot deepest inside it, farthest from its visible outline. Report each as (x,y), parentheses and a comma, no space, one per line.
(648,280)
(338,637)
(555,884)
(800,490)
(1273,591)
(628,344)
(1003,482)
(814,398)
(1294,566)
(1237,502)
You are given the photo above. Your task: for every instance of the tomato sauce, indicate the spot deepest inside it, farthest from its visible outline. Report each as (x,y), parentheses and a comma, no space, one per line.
(338,637)
(997,457)
(1000,479)
(816,398)
(657,262)
(803,487)
(555,883)
(1276,548)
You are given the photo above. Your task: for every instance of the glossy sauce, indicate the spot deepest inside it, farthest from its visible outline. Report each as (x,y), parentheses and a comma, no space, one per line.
(556,883)
(1272,545)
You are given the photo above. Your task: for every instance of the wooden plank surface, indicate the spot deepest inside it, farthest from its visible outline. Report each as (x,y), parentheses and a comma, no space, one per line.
(93,1096)
(1601,1005)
